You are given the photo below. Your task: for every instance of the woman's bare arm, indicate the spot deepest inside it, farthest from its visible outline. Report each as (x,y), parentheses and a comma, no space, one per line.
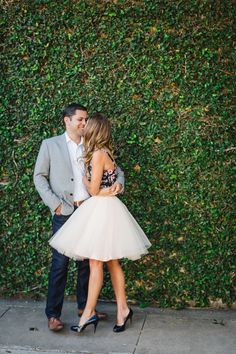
(97,163)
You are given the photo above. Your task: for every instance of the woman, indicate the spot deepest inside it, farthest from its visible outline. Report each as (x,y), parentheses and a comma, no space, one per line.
(101,229)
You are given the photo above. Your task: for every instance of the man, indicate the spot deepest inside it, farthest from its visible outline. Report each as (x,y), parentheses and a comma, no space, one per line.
(58,179)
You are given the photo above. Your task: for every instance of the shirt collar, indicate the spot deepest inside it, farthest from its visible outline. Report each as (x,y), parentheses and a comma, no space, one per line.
(68,139)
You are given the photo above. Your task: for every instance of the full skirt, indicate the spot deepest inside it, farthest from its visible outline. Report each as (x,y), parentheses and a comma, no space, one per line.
(102,228)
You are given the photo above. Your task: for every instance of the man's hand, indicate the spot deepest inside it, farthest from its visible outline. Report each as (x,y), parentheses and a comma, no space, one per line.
(113,190)
(58,210)
(116,188)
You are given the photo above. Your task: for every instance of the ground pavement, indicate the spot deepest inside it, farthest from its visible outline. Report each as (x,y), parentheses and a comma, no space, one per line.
(23,330)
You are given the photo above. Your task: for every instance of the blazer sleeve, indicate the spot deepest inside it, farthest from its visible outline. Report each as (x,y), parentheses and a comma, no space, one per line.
(41,178)
(120,178)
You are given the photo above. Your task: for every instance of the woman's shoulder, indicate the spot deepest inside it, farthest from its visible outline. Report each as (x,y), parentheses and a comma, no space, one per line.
(102,152)
(99,155)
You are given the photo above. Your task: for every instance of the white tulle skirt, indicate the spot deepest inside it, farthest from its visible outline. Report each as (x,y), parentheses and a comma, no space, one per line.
(102,228)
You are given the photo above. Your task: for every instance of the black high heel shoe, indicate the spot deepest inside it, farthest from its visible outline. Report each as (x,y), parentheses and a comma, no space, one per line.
(121,328)
(79,328)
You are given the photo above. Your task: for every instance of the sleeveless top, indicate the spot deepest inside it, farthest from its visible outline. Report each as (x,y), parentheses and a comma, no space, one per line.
(109,176)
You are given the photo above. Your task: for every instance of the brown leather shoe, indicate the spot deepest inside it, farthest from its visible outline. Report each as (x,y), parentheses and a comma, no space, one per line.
(101,315)
(55,324)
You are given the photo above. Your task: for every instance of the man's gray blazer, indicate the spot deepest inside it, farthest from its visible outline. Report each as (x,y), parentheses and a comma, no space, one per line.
(53,175)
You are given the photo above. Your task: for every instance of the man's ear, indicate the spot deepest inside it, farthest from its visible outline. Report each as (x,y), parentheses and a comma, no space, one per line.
(66,119)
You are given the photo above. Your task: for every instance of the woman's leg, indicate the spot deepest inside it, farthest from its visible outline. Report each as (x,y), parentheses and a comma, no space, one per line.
(118,283)
(94,288)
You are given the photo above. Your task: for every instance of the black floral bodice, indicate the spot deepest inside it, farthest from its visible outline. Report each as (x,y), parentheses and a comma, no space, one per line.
(108,178)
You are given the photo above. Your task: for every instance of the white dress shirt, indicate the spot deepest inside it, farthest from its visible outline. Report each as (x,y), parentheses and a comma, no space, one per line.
(76,153)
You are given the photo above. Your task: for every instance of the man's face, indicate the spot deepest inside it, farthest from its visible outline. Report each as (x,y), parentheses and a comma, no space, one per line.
(76,123)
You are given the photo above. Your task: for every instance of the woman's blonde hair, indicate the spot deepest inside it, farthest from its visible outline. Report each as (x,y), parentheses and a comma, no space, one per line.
(97,136)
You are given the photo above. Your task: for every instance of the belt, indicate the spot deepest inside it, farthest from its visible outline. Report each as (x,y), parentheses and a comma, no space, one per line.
(78,203)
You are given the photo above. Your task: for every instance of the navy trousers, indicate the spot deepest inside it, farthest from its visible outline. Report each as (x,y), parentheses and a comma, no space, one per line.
(58,277)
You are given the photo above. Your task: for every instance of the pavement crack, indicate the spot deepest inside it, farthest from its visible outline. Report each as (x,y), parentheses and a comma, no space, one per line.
(140,332)
(5,312)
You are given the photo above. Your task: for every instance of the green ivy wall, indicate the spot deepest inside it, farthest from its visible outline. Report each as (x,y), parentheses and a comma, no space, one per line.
(163,72)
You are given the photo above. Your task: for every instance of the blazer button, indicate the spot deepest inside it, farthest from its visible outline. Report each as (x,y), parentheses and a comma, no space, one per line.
(72,179)
(71,193)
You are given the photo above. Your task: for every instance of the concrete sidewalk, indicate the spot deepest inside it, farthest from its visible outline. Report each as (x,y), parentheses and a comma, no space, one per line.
(23,329)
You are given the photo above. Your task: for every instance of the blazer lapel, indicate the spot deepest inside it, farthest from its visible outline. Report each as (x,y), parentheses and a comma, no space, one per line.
(65,152)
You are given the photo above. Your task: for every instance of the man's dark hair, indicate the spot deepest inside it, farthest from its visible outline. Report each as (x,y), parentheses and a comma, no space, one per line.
(69,110)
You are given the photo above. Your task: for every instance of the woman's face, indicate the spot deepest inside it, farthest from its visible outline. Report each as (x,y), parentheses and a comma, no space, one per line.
(88,126)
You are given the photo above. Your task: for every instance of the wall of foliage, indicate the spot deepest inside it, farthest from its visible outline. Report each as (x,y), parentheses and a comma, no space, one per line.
(163,72)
